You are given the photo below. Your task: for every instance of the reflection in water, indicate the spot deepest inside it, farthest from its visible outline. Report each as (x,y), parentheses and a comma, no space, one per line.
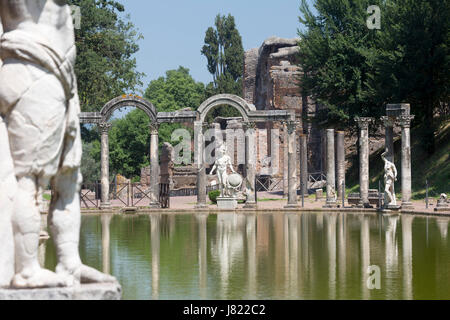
(365,254)
(155,232)
(331,239)
(202,252)
(407,256)
(268,256)
(106,221)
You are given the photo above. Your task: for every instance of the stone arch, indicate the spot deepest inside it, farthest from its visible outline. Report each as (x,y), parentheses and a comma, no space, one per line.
(128,101)
(228,99)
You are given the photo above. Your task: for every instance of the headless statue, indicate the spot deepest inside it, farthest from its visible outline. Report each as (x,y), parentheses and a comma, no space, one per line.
(390,176)
(39,111)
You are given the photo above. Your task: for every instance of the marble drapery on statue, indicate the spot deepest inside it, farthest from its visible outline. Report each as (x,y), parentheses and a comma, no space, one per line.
(41,144)
(390,176)
(221,165)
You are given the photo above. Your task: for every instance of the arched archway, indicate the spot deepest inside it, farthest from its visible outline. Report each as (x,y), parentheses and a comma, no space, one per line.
(128,101)
(226,99)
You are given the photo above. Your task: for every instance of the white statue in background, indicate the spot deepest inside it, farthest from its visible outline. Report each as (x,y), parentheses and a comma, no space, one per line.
(390,176)
(222,164)
(40,143)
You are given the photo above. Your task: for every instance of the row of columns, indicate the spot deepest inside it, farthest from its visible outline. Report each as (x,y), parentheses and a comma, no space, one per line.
(154,166)
(363,124)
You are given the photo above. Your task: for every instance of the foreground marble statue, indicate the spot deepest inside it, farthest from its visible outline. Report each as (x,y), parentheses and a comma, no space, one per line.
(40,143)
(390,176)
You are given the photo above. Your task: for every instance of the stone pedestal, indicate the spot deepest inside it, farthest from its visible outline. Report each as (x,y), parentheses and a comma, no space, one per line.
(104,159)
(442,204)
(227,203)
(331,177)
(405,123)
(363,124)
(95,291)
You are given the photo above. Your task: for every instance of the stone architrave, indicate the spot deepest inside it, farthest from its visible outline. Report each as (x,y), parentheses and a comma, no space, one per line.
(331,177)
(363,124)
(154,167)
(405,123)
(340,162)
(104,159)
(199,142)
(292,164)
(38,92)
(250,164)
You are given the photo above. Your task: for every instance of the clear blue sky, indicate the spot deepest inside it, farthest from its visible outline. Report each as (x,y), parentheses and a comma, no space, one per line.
(174,30)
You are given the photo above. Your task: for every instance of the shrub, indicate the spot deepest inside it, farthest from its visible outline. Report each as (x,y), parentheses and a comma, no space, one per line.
(213,195)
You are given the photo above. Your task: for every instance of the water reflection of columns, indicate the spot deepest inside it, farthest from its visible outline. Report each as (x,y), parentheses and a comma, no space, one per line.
(365,255)
(442,224)
(342,248)
(331,243)
(293,255)
(155,233)
(251,255)
(106,257)
(407,256)
(391,251)
(202,219)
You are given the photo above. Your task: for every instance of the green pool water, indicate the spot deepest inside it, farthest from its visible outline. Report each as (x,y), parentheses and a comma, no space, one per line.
(269,255)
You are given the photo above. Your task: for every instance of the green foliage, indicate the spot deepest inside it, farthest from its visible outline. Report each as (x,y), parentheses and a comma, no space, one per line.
(337,53)
(105,44)
(129,144)
(224,52)
(353,71)
(90,162)
(212,195)
(414,62)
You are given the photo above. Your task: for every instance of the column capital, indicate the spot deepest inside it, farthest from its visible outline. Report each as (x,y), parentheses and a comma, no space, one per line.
(291,125)
(363,122)
(405,121)
(248,125)
(388,121)
(153,128)
(104,127)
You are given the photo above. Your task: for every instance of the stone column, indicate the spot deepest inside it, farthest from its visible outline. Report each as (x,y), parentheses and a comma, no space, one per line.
(340,165)
(154,167)
(199,144)
(304,164)
(405,123)
(250,163)
(331,174)
(363,124)
(292,164)
(389,137)
(104,129)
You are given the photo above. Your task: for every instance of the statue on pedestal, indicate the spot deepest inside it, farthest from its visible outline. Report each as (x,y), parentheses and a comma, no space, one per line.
(390,176)
(40,144)
(221,165)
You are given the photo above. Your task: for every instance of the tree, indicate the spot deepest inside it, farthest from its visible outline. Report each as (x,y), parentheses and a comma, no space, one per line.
(224,52)
(415,60)
(337,55)
(105,44)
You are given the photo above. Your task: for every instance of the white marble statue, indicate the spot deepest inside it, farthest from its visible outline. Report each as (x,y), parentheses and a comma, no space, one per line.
(40,143)
(222,164)
(390,176)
